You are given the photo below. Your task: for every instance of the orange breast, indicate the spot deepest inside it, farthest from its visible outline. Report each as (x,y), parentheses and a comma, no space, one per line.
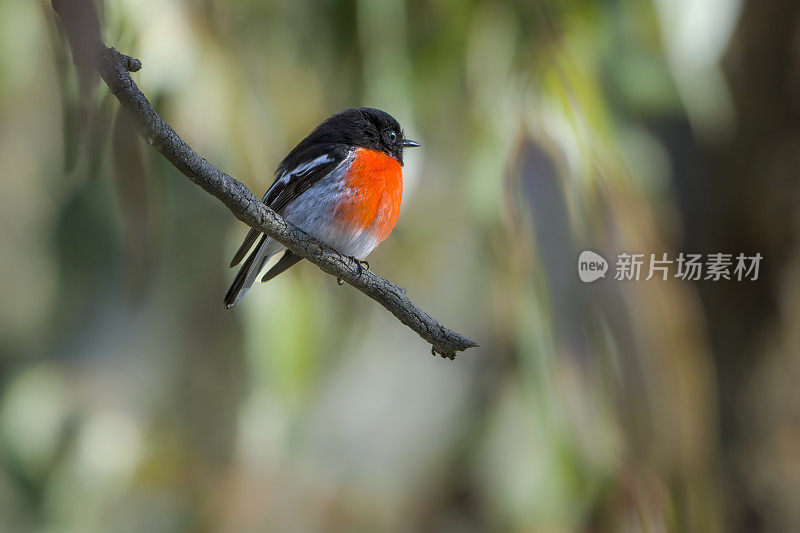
(373,191)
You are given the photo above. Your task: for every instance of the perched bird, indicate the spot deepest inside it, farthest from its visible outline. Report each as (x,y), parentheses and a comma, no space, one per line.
(342,185)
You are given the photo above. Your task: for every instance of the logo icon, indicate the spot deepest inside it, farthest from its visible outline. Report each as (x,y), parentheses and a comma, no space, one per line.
(591,266)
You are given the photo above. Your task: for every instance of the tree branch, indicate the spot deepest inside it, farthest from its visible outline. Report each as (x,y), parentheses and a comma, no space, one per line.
(114,68)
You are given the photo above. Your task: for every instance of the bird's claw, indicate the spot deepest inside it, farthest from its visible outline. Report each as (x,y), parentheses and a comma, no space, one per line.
(339,281)
(360,265)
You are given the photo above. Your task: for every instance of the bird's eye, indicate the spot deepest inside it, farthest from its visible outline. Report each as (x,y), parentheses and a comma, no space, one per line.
(392,137)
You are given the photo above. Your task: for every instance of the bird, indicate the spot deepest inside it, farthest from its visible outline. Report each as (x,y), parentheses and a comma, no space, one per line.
(342,185)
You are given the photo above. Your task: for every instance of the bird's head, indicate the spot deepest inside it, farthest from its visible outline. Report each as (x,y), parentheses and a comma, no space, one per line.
(368,128)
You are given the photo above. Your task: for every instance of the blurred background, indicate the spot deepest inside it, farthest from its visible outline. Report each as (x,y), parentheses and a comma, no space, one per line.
(131,401)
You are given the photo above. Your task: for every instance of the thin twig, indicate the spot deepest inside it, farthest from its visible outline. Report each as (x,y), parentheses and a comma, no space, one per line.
(114,67)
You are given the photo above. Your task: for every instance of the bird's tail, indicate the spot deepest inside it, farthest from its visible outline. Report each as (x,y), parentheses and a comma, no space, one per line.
(249,271)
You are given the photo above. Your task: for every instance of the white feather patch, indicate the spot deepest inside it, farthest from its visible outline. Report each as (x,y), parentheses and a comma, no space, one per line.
(305,167)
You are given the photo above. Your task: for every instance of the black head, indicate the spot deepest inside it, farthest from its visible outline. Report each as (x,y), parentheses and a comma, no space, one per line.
(365,127)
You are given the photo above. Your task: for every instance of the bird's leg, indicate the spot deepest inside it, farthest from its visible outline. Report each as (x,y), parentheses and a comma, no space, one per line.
(361,265)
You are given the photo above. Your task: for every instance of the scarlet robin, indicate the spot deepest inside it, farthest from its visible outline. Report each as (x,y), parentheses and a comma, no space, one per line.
(342,184)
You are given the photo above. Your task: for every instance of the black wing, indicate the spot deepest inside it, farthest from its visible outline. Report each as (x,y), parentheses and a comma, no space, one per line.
(299,171)
(286,261)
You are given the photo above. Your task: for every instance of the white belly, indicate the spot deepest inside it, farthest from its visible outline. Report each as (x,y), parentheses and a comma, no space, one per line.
(313,212)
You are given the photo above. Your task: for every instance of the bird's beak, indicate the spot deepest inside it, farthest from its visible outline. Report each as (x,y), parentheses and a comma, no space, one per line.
(408,143)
